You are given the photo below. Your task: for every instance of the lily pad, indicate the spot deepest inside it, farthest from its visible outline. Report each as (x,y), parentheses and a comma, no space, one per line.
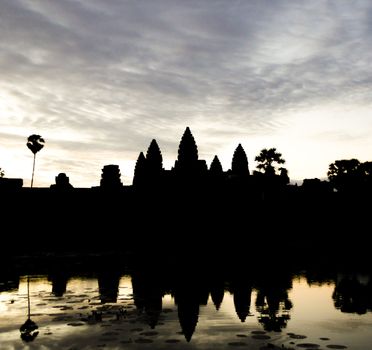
(260,336)
(297,336)
(143,341)
(237,343)
(172,341)
(76,324)
(308,345)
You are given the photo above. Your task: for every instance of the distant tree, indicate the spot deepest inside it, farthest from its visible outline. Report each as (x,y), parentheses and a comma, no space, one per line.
(266,160)
(284,176)
(345,174)
(216,167)
(35,143)
(154,158)
(140,170)
(2,173)
(345,167)
(366,169)
(239,165)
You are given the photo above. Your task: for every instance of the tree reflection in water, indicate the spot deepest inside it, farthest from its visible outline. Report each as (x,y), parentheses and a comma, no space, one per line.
(29,328)
(272,301)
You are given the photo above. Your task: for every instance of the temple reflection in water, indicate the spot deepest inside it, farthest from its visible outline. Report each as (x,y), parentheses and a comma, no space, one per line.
(262,294)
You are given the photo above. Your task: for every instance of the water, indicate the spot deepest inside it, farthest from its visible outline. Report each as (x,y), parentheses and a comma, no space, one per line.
(149,310)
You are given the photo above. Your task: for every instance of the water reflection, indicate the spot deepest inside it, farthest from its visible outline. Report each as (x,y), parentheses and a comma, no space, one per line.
(148,295)
(108,285)
(188,305)
(272,300)
(29,328)
(59,281)
(353,294)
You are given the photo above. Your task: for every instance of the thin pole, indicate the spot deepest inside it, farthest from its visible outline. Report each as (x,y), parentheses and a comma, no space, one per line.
(33,170)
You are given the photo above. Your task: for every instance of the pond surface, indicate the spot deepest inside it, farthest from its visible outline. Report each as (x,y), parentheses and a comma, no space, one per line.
(148,311)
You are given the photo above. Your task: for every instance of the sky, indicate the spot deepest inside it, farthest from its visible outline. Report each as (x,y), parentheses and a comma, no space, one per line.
(98,80)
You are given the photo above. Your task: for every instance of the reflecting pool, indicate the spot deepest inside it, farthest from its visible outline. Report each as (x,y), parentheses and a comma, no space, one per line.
(142,310)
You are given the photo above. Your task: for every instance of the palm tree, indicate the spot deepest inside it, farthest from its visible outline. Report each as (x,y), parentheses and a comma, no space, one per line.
(266,158)
(35,143)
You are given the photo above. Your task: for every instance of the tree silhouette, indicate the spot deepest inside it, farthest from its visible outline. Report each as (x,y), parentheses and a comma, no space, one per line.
(345,173)
(366,169)
(266,158)
(351,296)
(35,143)
(2,173)
(239,164)
(284,176)
(273,304)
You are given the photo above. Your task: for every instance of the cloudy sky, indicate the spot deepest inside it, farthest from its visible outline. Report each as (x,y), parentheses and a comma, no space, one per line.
(100,79)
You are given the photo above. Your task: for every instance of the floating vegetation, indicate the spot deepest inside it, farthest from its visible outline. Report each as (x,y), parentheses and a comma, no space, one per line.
(149,333)
(260,336)
(297,336)
(75,324)
(308,345)
(136,330)
(237,343)
(110,333)
(272,347)
(172,341)
(143,341)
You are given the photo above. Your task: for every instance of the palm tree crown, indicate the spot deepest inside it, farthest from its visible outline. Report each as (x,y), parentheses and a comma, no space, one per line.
(35,143)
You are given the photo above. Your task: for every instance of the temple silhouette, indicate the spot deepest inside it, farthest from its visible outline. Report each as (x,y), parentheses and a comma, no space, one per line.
(193,203)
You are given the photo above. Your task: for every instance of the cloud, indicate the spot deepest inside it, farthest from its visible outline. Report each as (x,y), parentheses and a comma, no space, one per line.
(113,75)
